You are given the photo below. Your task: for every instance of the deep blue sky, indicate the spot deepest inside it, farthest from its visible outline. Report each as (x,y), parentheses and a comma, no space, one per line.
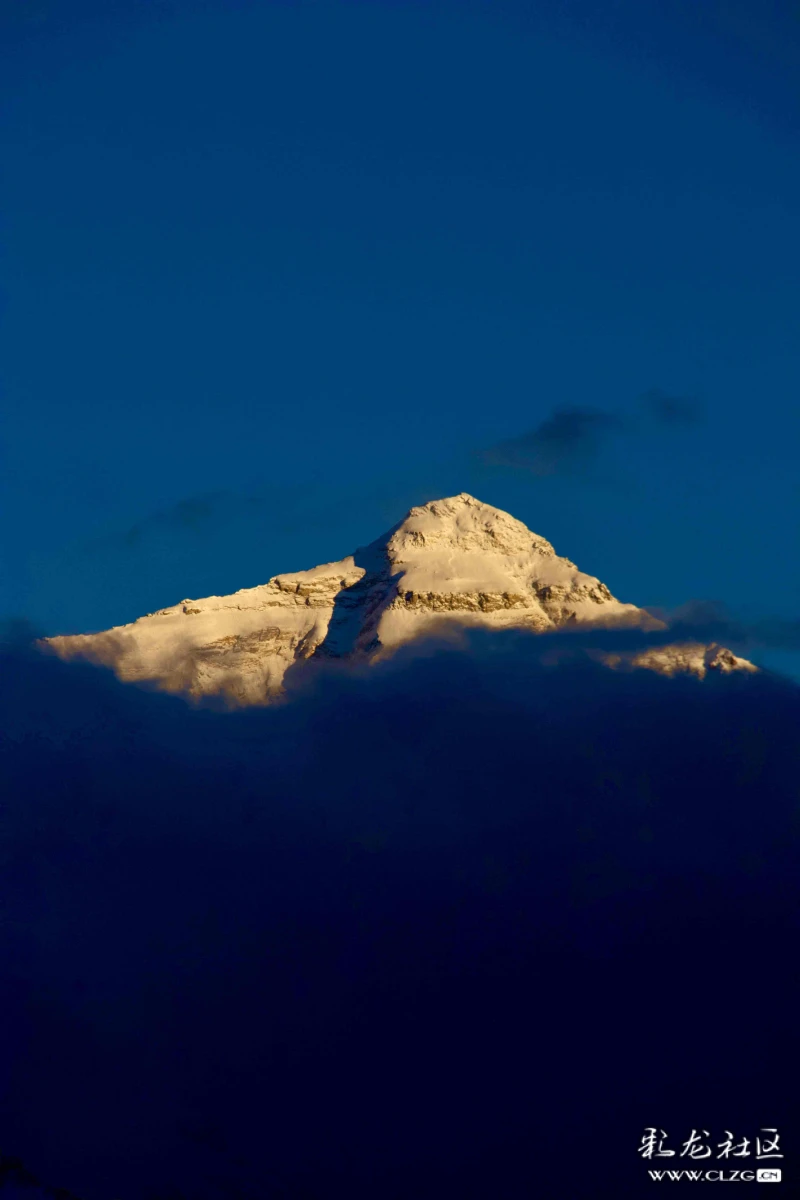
(273,273)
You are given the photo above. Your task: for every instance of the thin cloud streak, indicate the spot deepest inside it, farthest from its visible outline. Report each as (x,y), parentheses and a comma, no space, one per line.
(567,442)
(572,440)
(670,410)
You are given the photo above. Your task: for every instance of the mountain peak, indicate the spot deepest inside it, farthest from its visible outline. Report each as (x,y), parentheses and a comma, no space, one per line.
(450,563)
(464,523)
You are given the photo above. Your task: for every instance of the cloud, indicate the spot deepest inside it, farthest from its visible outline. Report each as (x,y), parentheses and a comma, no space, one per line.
(206,515)
(15,1175)
(566,442)
(191,516)
(670,410)
(286,508)
(411,933)
(706,620)
(571,441)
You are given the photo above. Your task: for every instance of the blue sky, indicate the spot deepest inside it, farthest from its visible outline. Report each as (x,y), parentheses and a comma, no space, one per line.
(273,273)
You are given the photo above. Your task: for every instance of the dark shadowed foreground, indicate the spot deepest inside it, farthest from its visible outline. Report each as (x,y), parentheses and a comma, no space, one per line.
(460,925)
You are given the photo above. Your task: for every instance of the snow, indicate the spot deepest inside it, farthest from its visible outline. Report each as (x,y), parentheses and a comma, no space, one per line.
(452,563)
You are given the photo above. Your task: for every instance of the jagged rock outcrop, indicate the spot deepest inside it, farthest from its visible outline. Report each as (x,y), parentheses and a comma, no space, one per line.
(452,563)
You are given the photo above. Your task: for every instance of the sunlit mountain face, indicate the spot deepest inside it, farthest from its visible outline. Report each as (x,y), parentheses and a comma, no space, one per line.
(450,565)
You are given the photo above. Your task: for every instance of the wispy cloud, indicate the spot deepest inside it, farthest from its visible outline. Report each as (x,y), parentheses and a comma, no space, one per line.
(265,511)
(572,440)
(191,516)
(569,441)
(670,410)
(709,620)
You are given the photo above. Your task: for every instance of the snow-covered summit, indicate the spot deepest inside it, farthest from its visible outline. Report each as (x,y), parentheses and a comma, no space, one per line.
(451,563)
